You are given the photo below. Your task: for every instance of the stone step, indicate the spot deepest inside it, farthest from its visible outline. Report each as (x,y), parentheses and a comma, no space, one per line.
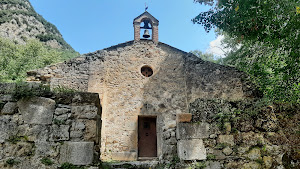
(145,164)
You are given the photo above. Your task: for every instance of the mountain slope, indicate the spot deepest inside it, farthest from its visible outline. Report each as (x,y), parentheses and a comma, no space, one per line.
(19,22)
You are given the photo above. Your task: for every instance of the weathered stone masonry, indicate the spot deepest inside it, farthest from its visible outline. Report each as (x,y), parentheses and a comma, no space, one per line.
(62,127)
(179,78)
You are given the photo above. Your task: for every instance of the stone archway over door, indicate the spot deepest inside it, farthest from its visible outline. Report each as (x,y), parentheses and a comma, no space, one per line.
(147,141)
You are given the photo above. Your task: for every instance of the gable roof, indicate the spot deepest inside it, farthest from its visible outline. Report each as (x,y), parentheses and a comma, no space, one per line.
(145,15)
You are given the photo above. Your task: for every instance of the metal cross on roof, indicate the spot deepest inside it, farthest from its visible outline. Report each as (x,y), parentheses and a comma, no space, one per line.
(146,6)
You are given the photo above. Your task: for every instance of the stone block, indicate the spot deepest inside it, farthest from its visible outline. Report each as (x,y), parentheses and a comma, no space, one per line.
(85,112)
(213,165)
(7,87)
(251,138)
(124,156)
(48,149)
(62,118)
(191,149)
(37,110)
(19,149)
(37,133)
(6,98)
(192,130)
(77,153)
(76,135)
(227,151)
(268,161)
(59,133)
(226,139)
(7,128)
(9,108)
(254,154)
(219,155)
(90,130)
(62,111)
(252,165)
(184,117)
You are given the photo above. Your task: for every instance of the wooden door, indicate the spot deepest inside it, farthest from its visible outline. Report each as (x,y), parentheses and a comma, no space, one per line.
(147,143)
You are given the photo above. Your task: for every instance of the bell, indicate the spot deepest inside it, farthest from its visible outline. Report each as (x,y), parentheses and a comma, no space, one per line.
(146,34)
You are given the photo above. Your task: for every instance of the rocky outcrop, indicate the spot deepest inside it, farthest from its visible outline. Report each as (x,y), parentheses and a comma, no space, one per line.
(19,22)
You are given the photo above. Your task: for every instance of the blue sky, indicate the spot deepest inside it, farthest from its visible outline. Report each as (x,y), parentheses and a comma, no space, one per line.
(90,25)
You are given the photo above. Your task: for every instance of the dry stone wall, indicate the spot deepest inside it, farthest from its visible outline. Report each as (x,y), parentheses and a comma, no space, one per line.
(46,129)
(241,134)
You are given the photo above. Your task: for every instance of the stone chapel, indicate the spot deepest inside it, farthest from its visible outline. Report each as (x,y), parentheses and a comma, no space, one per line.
(145,89)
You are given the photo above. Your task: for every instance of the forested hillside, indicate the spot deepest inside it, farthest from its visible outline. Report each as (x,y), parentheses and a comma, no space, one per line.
(28,41)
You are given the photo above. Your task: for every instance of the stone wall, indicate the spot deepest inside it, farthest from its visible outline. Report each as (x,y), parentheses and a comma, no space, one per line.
(39,127)
(209,80)
(241,134)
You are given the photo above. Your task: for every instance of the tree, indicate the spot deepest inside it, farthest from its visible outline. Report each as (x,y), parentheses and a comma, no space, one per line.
(205,56)
(16,59)
(268,32)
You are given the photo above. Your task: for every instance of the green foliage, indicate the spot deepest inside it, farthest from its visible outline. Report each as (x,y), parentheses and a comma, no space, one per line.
(197,165)
(70,166)
(171,164)
(211,157)
(63,89)
(104,165)
(207,56)
(14,139)
(16,60)
(268,35)
(1,104)
(48,37)
(260,161)
(25,90)
(47,161)
(222,118)
(12,162)
(59,122)
(221,146)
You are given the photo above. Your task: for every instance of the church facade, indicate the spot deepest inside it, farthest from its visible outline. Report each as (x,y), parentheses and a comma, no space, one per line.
(145,88)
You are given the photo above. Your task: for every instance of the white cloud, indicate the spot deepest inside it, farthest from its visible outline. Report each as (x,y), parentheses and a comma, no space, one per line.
(216,47)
